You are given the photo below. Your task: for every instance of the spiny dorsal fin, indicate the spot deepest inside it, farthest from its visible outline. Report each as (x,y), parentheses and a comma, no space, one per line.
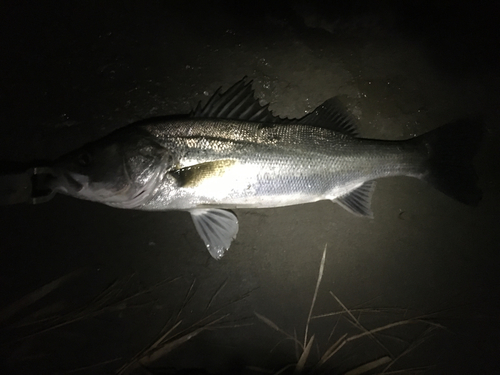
(331,115)
(239,103)
(359,200)
(236,103)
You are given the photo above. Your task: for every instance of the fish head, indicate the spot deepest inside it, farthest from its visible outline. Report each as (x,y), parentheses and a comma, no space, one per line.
(120,170)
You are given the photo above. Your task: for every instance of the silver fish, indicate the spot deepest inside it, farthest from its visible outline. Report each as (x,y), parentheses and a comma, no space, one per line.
(234,153)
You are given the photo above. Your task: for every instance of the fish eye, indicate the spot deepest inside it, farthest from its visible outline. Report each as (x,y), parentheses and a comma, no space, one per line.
(84,159)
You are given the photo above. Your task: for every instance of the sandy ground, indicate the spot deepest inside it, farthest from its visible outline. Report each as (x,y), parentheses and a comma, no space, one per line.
(73,73)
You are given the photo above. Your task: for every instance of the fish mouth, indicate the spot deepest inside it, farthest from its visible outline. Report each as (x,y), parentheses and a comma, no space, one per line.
(74,181)
(68,182)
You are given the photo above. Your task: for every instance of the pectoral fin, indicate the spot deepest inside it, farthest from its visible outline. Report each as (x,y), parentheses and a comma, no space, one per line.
(217,228)
(196,174)
(358,201)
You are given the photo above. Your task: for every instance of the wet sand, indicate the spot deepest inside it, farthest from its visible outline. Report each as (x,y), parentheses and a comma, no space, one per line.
(73,73)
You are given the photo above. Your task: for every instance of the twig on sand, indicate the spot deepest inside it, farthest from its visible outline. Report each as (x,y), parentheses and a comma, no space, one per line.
(318,282)
(412,346)
(303,358)
(308,342)
(273,325)
(359,325)
(217,292)
(90,367)
(369,366)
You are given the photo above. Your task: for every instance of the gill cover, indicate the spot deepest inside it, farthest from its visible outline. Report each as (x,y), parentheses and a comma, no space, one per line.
(120,170)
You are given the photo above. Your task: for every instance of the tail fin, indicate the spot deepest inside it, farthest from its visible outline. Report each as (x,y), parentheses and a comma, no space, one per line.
(449,165)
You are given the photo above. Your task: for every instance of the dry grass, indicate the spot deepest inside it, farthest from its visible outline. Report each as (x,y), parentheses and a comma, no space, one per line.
(173,335)
(30,298)
(176,332)
(111,299)
(320,365)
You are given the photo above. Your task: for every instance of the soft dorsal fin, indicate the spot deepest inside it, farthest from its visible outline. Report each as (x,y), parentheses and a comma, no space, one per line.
(358,201)
(236,103)
(331,115)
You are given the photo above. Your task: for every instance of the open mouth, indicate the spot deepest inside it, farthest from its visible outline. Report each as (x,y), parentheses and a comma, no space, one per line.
(70,182)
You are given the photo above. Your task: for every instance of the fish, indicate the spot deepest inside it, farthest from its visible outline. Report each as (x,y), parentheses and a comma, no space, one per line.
(233,152)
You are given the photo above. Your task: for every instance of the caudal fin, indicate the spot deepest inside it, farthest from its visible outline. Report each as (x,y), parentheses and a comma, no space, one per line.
(449,165)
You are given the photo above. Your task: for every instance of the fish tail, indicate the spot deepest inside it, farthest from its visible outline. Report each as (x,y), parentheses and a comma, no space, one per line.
(448,165)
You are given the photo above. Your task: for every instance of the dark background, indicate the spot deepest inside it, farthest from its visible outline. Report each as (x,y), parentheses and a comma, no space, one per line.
(72,72)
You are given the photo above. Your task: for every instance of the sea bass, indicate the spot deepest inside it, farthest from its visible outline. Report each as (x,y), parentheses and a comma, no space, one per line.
(234,153)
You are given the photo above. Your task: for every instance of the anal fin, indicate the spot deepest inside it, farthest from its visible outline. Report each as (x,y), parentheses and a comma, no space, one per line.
(217,228)
(358,201)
